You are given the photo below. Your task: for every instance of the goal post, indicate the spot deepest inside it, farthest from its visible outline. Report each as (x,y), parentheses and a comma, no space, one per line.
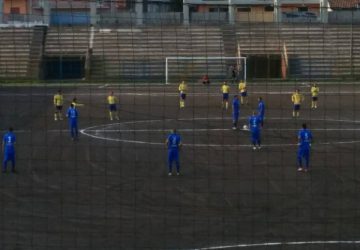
(218,68)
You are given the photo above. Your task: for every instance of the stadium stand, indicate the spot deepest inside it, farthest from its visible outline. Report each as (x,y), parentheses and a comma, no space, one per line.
(312,50)
(67,41)
(21,52)
(139,53)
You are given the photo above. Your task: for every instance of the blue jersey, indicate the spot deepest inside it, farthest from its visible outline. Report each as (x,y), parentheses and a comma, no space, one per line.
(261,108)
(305,138)
(9,141)
(72,114)
(236,106)
(254,122)
(174,141)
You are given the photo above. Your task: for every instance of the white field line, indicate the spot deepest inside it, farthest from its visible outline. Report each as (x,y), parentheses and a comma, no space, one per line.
(209,130)
(190,130)
(292,243)
(103,128)
(94,132)
(209,145)
(88,132)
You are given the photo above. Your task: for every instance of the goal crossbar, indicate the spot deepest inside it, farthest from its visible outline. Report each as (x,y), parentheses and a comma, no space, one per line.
(193,58)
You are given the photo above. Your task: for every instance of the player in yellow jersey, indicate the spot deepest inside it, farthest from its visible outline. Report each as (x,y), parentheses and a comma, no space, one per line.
(58,103)
(182,90)
(243,93)
(112,100)
(297,99)
(225,89)
(314,95)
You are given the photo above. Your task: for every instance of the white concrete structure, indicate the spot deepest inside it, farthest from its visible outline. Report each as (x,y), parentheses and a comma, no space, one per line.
(277,11)
(186,13)
(139,8)
(46,12)
(93,15)
(324,6)
(232,17)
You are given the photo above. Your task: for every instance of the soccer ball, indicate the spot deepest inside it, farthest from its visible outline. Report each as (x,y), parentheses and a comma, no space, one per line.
(245,127)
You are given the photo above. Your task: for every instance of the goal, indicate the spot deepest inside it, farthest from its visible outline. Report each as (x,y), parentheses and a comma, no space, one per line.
(192,69)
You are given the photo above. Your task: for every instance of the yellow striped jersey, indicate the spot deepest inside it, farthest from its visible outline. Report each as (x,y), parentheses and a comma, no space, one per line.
(58,100)
(314,91)
(297,98)
(225,89)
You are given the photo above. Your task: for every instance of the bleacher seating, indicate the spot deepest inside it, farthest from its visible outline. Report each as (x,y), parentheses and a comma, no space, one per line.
(67,41)
(140,53)
(314,51)
(15,47)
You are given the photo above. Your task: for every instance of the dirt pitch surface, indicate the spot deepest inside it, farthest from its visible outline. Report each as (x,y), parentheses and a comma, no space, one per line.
(110,189)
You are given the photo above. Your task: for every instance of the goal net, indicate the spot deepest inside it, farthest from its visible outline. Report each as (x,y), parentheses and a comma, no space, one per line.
(193,69)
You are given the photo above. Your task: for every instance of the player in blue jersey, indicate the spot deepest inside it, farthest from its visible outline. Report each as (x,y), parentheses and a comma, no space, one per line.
(304,141)
(235,111)
(254,126)
(72,115)
(173,143)
(261,110)
(8,145)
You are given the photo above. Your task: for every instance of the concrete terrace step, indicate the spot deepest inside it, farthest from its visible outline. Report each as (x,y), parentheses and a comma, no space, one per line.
(125,52)
(15,51)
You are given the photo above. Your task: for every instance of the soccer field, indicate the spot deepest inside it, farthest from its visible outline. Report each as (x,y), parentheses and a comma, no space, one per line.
(110,190)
